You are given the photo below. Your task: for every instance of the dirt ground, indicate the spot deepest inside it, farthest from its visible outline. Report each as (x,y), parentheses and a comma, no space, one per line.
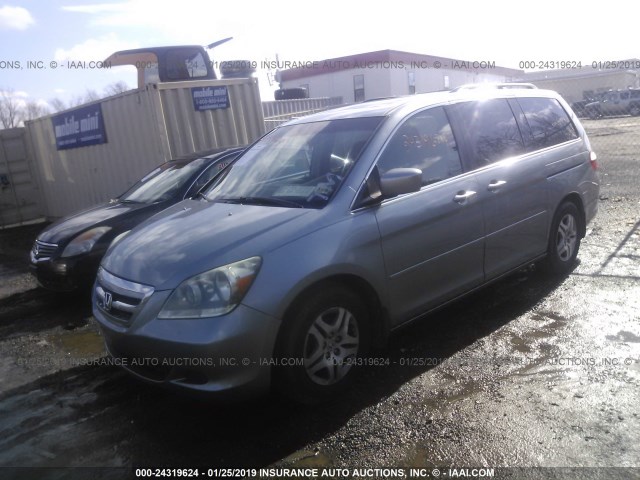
(533,371)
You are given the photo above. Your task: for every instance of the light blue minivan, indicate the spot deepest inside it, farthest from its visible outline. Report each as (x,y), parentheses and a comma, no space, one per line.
(335,229)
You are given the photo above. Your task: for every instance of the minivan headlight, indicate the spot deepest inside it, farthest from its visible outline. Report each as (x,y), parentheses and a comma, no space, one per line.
(212,293)
(84,242)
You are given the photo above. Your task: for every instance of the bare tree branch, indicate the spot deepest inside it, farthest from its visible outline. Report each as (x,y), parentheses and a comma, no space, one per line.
(33,110)
(10,111)
(115,88)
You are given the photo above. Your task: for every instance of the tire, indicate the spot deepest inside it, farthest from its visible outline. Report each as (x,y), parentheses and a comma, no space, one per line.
(291,94)
(326,332)
(564,239)
(634,110)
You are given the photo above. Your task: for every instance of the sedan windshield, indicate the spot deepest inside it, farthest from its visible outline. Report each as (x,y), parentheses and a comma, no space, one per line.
(163,183)
(299,165)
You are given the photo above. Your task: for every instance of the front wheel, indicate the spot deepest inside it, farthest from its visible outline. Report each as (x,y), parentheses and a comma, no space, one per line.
(322,340)
(564,240)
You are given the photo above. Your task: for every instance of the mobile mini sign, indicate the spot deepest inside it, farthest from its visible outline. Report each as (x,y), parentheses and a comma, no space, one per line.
(210,98)
(79,128)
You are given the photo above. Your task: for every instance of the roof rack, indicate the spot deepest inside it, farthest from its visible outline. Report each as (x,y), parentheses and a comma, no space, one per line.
(474,86)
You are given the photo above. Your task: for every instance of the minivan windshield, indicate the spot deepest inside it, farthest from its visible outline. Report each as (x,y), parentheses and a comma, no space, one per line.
(300,165)
(162,183)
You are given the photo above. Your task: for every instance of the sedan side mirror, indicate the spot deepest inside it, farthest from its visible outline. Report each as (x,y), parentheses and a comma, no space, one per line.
(399,181)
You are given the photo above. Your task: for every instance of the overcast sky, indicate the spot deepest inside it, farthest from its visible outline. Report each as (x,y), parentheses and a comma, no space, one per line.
(504,32)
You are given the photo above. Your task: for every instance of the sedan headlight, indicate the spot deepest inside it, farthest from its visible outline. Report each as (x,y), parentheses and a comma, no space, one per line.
(84,242)
(212,293)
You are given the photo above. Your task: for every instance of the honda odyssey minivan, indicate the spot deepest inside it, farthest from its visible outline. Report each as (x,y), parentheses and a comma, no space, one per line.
(337,228)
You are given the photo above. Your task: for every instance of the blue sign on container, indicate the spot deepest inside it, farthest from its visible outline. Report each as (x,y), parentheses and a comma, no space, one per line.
(210,98)
(80,127)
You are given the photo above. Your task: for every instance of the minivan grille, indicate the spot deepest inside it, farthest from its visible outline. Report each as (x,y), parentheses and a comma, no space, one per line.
(120,299)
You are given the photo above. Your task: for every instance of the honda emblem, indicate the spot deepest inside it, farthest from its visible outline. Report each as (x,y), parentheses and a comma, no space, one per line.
(108,298)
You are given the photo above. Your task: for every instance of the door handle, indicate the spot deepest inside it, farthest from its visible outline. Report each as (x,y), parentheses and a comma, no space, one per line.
(495,185)
(463,196)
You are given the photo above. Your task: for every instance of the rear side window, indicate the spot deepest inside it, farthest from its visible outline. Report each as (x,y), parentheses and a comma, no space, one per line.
(548,121)
(490,130)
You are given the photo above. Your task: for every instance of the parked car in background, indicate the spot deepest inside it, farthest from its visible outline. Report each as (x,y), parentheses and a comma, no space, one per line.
(339,227)
(615,102)
(66,254)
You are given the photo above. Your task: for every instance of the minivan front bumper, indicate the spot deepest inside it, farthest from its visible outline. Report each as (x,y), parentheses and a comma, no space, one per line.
(229,355)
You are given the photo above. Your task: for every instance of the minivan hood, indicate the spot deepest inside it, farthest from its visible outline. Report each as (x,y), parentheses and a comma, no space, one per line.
(66,228)
(193,236)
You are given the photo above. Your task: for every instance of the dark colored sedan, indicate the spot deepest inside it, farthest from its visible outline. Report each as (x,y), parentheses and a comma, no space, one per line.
(67,253)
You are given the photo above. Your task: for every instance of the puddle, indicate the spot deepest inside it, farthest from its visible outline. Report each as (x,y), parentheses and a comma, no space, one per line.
(539,334)
(83,343)
(624,336)
(558,321)
(520,345)
(307,459)
(25,358)
(420,457)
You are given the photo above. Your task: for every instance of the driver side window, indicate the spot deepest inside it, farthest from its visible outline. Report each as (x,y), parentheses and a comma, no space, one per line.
(425,141)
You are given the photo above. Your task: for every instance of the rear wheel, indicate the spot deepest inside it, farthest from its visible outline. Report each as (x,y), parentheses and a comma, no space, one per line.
(634,110)
(564,240)
(321,342)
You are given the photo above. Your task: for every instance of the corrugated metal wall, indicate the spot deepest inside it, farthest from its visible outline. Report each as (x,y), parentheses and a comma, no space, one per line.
(278,112)
(79,177)
(144,128)
(190,130)
(19,195)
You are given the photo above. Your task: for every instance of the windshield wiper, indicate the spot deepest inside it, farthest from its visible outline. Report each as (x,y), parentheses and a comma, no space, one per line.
(272,201)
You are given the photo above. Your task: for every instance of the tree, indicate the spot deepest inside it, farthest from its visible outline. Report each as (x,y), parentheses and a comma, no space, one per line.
(10,109)
(89,95)
(115,88)
(33,110)
(57,104)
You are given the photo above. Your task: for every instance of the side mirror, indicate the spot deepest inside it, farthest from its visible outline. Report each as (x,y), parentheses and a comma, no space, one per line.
(399,181)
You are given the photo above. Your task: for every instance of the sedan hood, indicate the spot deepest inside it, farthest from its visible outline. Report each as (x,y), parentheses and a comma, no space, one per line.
(195,236)
(66,228)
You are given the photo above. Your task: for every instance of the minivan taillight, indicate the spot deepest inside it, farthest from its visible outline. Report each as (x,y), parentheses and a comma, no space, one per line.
(593,158)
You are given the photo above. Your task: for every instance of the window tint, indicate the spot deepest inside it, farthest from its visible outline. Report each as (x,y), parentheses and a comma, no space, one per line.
(549,123)
(424,141)
(491,130)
